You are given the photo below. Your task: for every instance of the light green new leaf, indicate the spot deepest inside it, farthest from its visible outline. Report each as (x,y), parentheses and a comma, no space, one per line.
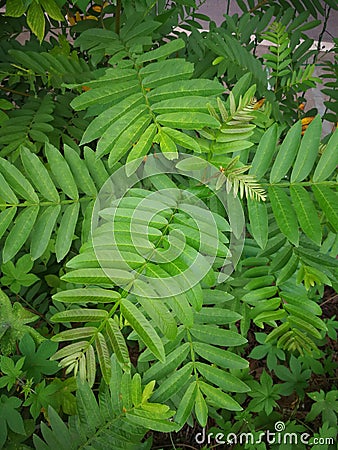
(307,214)
(17,181)
(218,398)
(52,9)
(328,161)
(284,213)
(80,315)
(118,344)
(264,153)
(66,230)
(286,153)
(36,19)
(328,201)
(19,233)
(39,175)
(186,404)
(61,172)
(103,357)
(258,217)
(15,8)
(90,365)
(143,328)
(308,151)
(43,229)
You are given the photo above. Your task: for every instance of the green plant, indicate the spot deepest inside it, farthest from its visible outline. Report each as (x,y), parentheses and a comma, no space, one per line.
(167,220)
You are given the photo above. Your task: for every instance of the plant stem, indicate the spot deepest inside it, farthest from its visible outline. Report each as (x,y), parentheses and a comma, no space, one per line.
(118,16)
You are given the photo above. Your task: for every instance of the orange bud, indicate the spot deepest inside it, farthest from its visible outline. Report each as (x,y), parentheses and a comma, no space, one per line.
(90,18)
(301,106)
(307,120)
(78,16)
(97,8)
(259,104)
(86,88)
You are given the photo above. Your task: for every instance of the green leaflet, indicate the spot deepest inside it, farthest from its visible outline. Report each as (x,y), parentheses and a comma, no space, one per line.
(98,276)
(103,356)
(218,398)
(96,168)
(141,148)
(217,336)
(87,295)
(327,200)
(18,182)
(6,192)
(173,360)
(102,122)
(39,175)
(284,213)
(61,172)
(74,334)
(173,383)
(264,153)
(143,328)
(221,379)
(201,409)
(66,230)
(118,127)
(182,139)
(188,121)
(160,315)
(42,230)
(80,315)
(126,139)
(161,52)
(214,315)
(118,344)
(258,217)
(286,153)
(328,161)
(19,233)
(185,88)
(223,358)
(306,213)
(167,145)
(308,151)
(6,218)
(80,171)
(186,404)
